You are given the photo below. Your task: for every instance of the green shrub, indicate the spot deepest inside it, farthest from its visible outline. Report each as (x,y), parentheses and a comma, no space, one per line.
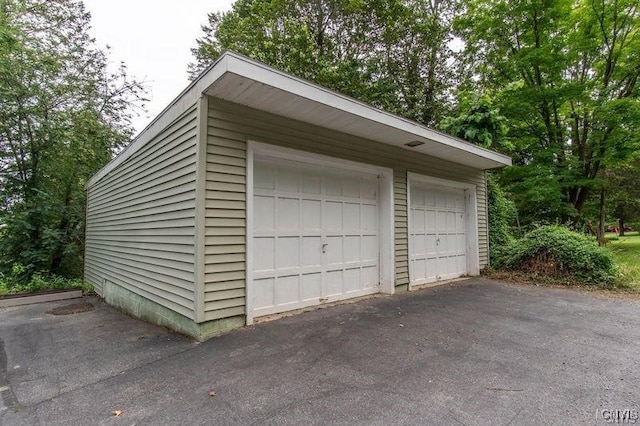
(561,253)
(17,282)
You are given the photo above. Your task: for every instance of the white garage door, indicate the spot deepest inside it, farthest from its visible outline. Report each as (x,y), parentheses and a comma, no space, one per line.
(315,235)
(437,234)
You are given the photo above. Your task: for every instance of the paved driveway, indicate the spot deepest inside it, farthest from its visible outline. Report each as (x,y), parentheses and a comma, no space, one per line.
(473,352)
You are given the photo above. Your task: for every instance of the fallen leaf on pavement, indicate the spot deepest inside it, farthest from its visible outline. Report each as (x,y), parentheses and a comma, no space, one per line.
(212,393)
(116,413)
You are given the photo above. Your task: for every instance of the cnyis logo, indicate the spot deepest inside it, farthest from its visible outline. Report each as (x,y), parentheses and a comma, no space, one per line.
(627,416)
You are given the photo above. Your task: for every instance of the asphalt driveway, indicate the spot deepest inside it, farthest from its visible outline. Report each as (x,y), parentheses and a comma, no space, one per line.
(472,352)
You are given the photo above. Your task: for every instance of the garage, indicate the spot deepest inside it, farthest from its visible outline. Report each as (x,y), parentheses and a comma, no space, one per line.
(256,192)
(316,232)
(441,232)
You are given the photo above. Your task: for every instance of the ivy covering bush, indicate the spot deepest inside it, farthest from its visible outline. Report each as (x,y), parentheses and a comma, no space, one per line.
(560,253)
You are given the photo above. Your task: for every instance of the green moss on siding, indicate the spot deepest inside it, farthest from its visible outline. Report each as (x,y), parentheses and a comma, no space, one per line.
(147,310)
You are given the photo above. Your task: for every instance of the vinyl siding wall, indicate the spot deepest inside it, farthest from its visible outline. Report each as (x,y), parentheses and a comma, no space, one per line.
(230,126)
(141,220)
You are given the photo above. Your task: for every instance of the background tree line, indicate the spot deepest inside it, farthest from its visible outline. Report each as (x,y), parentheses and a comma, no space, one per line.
(63,115)
(552,83)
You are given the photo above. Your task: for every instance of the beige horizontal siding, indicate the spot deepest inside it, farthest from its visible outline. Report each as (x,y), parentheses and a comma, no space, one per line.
(230,126)
(483,220)
(401,232)
(141,220)
(225,226)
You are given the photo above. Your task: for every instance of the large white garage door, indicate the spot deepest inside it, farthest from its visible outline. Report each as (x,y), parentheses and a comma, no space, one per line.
(437,234)
(315,235)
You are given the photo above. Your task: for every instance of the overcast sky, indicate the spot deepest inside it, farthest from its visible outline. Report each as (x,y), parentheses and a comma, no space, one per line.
(153,38)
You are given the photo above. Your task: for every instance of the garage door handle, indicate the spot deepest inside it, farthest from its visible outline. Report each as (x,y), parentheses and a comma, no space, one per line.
(324,248)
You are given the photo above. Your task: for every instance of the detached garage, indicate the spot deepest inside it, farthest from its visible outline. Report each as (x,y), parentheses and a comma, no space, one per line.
(256,193)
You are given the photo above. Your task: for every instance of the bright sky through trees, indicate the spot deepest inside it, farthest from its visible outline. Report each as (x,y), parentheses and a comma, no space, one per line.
(154,39)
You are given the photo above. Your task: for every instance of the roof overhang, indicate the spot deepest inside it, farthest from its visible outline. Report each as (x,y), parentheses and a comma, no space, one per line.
(243,81)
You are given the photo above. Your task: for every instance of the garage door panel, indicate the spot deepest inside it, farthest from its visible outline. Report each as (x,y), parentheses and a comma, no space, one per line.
(287,290)
(264,291)
(333,250)
(441,220)
(420,269)
(311,286)
(451,221)
(351,280)
(352,248)
(351,188)
(264,254)
(418,220)
(369,218)
(369,190)
(462,262)
(369,275)
(264,178)
(288,214)
(370,248)
(419,244)
(287,252)
(310,212)
(333,185)
(430,220)
(264,216)
(317,237)
(417,197)
(311,184)
(288,180)
(437,234)
(311,251)
(351,217)
(430,244)
(332,218)
(333,283)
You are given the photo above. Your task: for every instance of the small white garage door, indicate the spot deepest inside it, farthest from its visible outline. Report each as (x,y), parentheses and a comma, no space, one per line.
(315,235)
(437,234)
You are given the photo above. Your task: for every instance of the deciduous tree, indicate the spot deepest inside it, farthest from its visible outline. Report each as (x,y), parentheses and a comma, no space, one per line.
(565,74)
(62,117)
(390,53)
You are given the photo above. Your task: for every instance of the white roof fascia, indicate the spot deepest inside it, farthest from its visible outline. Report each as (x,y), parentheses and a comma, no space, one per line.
(262,73)
(230,62)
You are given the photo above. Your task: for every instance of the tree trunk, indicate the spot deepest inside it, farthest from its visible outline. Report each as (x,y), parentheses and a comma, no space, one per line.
(600,231)
(621,227)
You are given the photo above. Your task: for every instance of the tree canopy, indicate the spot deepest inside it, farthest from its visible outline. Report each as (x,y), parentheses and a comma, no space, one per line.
(565,74)
(390,53)
(63,116)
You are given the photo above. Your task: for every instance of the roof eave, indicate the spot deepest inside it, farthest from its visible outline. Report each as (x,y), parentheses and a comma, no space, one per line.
(214,81)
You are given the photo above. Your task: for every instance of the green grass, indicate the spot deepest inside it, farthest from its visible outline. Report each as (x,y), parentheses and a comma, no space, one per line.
(626,252)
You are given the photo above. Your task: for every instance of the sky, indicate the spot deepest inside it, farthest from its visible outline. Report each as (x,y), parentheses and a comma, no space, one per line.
(154,39)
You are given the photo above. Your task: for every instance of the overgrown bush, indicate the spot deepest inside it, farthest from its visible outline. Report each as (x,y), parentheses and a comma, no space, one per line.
(14,282)
(558,252)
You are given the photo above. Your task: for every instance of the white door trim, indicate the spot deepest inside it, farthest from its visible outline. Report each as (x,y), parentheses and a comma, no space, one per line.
(471,212)
(385,198)
(248,302)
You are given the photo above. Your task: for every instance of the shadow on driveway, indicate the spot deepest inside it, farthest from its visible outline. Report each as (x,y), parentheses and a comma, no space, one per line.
(471,352)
